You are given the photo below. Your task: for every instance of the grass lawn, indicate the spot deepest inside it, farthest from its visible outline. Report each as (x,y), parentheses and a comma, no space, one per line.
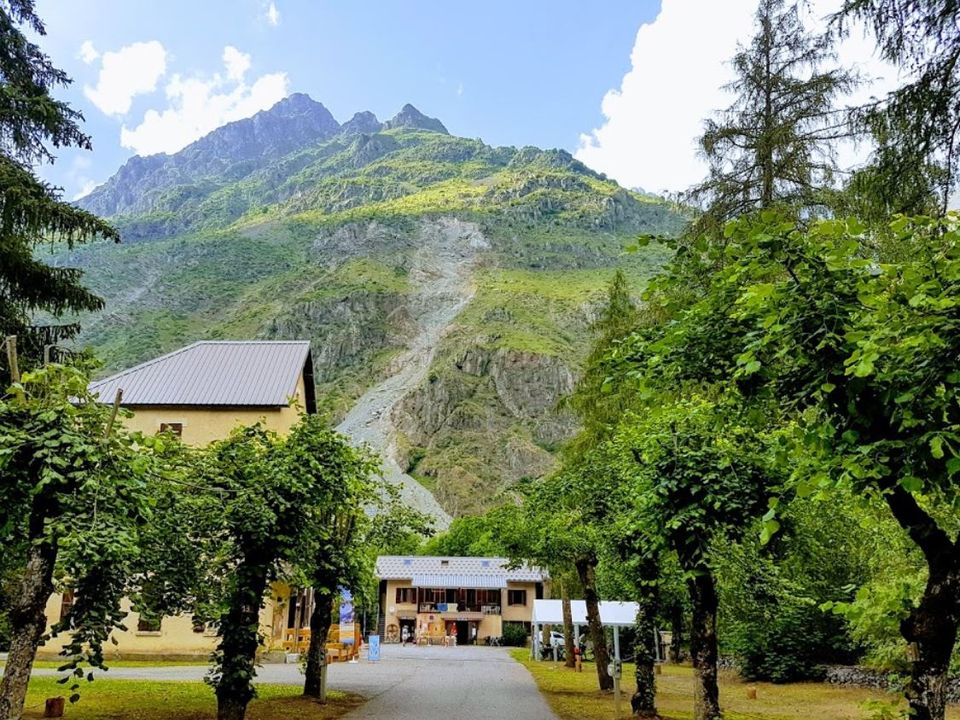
(54,664)
(574,696)
(164,700)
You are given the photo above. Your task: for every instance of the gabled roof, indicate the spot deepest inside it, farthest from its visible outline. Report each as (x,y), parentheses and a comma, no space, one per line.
(429,571)
(258,373)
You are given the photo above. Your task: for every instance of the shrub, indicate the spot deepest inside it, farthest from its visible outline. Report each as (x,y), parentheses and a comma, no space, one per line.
(771,619)
(515,634)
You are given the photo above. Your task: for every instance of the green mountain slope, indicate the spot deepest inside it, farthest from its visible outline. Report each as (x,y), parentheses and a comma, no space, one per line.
(395,247)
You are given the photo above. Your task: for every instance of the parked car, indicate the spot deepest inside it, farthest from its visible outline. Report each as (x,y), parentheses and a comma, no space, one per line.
(558,641)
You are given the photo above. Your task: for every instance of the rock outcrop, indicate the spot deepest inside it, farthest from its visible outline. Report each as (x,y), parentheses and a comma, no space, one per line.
(410,117)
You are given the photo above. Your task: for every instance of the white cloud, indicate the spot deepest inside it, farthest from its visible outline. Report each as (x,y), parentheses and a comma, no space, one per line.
(78,177)
(198,104)
(125,73)
(88,53)
(236,62)
(459,89)
(88,187)
(273,14)
(679,64)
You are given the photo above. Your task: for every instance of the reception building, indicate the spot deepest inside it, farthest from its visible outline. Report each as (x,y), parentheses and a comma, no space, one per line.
(467,600)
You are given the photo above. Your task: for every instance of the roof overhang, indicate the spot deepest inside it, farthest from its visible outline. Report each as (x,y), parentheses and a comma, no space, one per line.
(482,582)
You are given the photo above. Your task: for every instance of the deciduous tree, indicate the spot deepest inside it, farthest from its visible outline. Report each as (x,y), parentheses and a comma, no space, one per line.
(74,496)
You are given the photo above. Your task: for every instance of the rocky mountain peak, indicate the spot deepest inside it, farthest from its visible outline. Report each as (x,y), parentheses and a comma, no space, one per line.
(364,122)
(410,117)
(229,152)
(295,103)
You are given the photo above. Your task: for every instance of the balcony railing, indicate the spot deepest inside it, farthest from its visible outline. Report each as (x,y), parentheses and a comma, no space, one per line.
(457,607)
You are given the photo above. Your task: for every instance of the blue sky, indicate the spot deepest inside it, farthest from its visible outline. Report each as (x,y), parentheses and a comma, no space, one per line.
(530,72)
(624,84)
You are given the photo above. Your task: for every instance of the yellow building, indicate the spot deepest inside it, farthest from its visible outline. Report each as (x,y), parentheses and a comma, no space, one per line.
(465,600)
(202,392)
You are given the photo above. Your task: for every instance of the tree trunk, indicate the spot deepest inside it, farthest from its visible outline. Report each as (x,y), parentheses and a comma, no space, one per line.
(644,700)
(931,628)
(239,642)
(231,708)
(28,622)
(568,639)
(676,631)
(703,645)
(317,653)
(586,570)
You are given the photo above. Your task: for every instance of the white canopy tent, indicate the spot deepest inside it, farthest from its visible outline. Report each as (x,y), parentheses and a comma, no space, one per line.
(613,614)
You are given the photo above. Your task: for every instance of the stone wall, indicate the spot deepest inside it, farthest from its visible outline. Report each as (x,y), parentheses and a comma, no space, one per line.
(854,676)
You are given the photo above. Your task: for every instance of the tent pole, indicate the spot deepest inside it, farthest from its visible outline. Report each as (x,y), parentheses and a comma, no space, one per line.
(616,672)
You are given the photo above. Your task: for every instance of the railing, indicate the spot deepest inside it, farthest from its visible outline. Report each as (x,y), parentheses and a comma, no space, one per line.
(456,607)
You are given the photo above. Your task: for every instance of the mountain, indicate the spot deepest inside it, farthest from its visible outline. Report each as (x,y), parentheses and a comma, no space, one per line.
(410,117)
(227,154)
(448,287)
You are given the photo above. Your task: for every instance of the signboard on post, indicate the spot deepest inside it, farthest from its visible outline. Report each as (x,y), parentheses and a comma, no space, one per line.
(346,617)
(373,648)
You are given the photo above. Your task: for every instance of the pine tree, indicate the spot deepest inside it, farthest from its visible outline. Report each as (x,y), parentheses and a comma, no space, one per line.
(32,124)
(773,145)
(916,128)
(596,408)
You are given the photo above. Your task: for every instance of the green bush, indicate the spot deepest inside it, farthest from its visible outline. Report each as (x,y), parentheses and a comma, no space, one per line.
(514,634)
(771,620)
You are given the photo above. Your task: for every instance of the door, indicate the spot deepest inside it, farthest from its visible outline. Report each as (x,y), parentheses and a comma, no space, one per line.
(463,632)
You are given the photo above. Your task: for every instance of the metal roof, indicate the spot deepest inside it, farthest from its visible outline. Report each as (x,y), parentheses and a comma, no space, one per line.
(261,373)
(490,582)
(612,613)
(408,567)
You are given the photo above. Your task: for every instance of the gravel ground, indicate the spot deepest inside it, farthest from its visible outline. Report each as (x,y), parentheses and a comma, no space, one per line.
(428,683)
(440,274)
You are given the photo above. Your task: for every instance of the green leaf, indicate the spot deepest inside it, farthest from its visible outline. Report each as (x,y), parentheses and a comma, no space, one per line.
(911,484)
(768,530)
(936,446)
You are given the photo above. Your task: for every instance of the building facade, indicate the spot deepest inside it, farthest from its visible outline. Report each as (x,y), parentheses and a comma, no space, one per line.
(466,600)
(201,393)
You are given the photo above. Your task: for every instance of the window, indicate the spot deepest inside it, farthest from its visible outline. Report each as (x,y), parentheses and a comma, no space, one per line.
(516,597)
(175,428)
(406,596)
(147,624)
(66,603)
(492,597)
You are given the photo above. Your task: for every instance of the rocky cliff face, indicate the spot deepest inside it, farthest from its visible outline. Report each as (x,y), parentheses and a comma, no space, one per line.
(502,406)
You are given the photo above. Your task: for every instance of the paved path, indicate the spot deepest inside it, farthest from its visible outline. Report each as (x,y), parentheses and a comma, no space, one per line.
(427,683)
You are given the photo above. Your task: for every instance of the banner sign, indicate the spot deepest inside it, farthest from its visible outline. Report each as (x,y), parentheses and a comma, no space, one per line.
(373,648)
(346,617)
